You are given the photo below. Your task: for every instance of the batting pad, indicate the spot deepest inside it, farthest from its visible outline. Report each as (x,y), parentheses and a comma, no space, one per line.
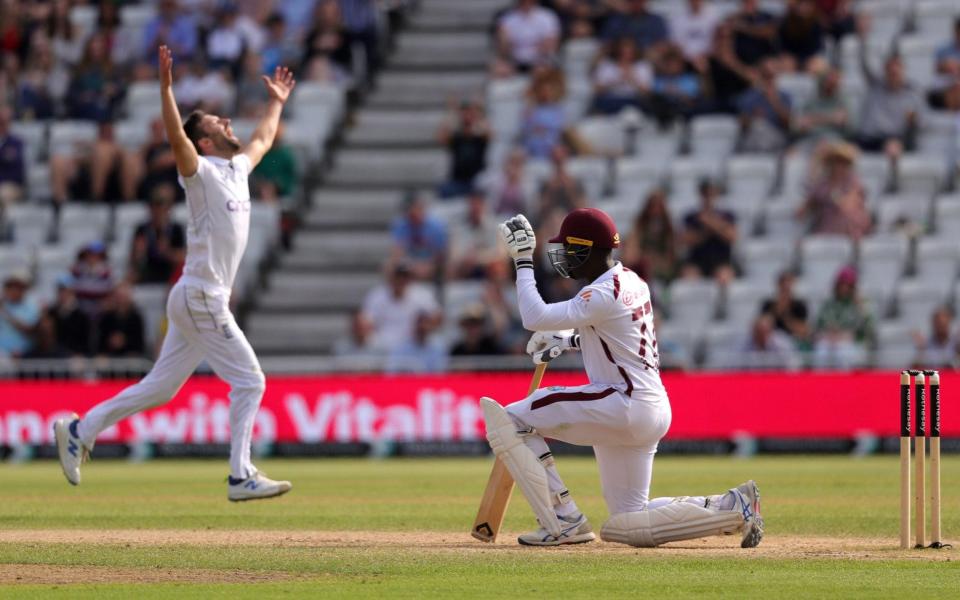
(676,521)
(523,464)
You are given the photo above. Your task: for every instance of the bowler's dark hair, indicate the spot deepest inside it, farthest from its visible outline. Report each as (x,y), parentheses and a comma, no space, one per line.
(192,128)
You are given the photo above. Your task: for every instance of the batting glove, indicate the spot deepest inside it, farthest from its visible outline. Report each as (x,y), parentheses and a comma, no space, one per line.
(518,235)
(545,346)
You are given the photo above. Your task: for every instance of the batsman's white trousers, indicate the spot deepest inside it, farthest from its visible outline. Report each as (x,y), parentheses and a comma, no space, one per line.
(623,430)
(201,326)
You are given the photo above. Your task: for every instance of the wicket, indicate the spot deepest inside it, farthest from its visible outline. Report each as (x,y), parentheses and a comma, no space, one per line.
(919,433)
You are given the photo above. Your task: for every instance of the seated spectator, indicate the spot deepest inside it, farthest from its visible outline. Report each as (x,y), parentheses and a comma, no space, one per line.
(544,120)
(946,92)
(729,76)
(767,347)
(561,191)
(327,41)
(173,27)
(88,172)
(251,93)
(941,349)
(424,353)
(276,175)
(200,88)
(124,43)
(419,239)
(890,115)
(150,167)
(527,36)
(477,338)
(621,78)
(844,327)
(65,38)
(45,344)
(159,245)
(646,28)
(764,113)
(755,32)
(836,202)
(120,327)
(800,37)
(651,247)
(42,83)
(466,137)
(357,342)
(226,42)
(391,310)
(676,91)
(692,29)
(18,316)
(475,251)
(72,325)
(789,313)
(509,190)
(709,235)
(13,173)
(92,278)
(360,25)
(825,115)
(96,89)
(279,49)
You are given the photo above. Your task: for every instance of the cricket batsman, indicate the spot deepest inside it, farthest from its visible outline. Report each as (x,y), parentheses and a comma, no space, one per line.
(623,412)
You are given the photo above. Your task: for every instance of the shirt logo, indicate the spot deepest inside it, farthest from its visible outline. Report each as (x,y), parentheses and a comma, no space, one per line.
(238,206)
(585,296)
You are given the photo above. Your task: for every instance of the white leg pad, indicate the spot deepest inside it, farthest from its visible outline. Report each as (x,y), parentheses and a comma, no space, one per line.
(523,464)
(676,521)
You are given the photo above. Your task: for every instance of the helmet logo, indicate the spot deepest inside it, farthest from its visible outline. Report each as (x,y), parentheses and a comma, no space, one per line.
(579,241)
(616,238)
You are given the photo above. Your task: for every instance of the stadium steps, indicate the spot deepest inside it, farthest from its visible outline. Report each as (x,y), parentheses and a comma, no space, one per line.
(395,128)
(441,54)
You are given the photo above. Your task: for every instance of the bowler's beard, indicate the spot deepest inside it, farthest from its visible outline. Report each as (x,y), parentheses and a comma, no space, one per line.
(225,143)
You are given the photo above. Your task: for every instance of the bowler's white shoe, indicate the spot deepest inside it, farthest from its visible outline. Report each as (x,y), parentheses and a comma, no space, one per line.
(255,487)
(72,452)
(575,530)
(748,502)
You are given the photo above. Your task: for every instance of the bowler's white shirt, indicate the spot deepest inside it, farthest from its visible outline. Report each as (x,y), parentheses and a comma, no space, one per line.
(614,317)
(218,198)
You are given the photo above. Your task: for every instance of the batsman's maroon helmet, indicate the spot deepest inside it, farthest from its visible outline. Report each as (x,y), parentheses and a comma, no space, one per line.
(588,227)
(581,231)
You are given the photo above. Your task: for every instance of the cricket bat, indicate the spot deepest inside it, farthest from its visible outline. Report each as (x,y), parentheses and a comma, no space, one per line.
(493,506)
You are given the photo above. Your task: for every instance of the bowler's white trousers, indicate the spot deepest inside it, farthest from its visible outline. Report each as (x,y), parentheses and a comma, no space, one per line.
(201,326)
(623,430)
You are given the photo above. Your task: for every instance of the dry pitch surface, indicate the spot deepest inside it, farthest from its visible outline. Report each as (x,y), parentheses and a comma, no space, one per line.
(397,527)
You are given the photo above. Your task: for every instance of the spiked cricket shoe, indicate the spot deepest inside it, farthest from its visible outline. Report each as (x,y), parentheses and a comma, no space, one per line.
(575,530)
(255,487)
(748,503)
(72,453)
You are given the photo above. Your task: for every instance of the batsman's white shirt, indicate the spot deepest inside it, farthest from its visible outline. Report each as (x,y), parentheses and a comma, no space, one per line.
(200,324)
(624,410)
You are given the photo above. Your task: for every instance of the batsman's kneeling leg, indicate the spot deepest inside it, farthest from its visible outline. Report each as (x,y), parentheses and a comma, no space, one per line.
(676,521)
(523,464)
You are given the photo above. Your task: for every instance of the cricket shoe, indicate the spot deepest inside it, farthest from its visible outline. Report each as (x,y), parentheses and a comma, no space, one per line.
(575,530)
(72,452)
(255,487)
(747,501)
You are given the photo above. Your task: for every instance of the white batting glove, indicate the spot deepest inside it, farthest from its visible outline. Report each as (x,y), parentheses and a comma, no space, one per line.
(545,346)
(518,235)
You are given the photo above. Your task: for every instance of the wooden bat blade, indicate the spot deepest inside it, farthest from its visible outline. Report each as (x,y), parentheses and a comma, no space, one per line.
(496,497)
(493,506)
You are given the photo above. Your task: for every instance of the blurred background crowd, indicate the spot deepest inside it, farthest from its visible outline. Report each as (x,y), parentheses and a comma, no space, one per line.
(782,174)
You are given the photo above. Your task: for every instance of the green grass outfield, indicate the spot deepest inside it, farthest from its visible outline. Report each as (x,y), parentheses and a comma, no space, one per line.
(398,528)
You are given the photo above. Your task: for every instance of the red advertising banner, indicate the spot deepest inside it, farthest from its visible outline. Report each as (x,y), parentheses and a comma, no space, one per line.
(435,408)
